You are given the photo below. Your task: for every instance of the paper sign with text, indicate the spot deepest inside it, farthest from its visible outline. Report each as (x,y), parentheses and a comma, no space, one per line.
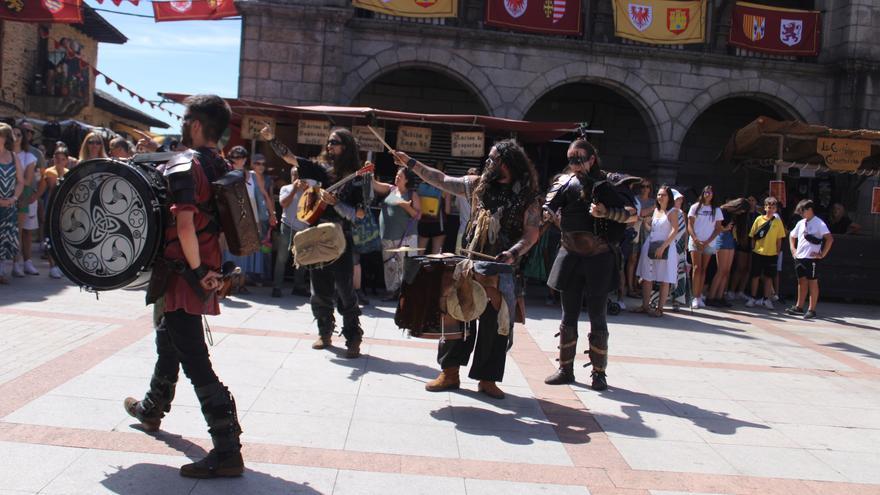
(312,132)
(417,139)
(251,125)
(366,140)
(469,144)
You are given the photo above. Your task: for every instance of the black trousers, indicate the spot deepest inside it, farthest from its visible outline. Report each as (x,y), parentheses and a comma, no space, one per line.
(180,343)
(334,284)
(488,347)
(597,306)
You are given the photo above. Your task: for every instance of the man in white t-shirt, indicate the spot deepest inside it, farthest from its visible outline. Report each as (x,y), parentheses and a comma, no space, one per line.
(810,241)
(289,196)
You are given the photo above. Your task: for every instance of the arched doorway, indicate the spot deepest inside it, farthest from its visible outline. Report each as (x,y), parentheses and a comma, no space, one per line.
(625,144)
(701,149)
(421,90)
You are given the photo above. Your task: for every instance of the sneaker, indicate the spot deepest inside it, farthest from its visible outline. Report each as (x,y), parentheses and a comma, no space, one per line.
(55,272)
(809,315)
(621,304)
(742,296)
(702,302)
(774,298)
(276,292)
(695,303)
(794,311)
(18,269)
(768,304)
(29,268)
(750,303)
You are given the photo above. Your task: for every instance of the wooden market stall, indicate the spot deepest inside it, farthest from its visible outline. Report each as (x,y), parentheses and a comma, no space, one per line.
(827,165)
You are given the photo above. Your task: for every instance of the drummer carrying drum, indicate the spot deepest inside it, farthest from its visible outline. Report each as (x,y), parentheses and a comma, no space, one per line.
(504,225)
(192,252)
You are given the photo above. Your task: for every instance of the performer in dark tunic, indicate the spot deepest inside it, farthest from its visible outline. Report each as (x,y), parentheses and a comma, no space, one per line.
(334,283)
(192,248)
(593,217)
(504,224)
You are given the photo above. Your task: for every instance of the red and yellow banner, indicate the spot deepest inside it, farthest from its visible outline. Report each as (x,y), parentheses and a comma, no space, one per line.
(60,11)
(190,10)
(661,22)
(775,30)
(410,8)
(536,16)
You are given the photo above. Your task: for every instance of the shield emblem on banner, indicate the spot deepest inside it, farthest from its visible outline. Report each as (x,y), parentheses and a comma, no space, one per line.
(754,26)
(516,8)
(181,6)
(677,20)
(425,3)
(791,31)
(53,6)
(641,16)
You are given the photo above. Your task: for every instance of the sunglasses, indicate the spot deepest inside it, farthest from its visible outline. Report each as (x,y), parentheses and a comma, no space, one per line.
(490,161)
(334,142)
(577,160)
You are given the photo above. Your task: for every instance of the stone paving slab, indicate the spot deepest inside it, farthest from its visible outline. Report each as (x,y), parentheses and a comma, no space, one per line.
(740,402)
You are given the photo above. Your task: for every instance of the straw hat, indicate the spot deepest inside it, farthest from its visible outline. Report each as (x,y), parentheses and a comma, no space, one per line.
(467,301)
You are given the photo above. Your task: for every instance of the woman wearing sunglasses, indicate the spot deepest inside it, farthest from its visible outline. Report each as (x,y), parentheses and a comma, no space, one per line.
(92,147)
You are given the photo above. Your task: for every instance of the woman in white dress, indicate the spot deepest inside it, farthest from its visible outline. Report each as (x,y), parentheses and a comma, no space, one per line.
(658,261)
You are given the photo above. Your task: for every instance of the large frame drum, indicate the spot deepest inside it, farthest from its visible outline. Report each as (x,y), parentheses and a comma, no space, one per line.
(106,223)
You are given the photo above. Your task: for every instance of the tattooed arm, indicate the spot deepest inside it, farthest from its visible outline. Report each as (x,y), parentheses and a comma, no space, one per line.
(531,233)
(460,186)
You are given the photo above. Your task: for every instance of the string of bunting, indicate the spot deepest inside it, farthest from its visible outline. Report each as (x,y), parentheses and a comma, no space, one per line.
(44,33)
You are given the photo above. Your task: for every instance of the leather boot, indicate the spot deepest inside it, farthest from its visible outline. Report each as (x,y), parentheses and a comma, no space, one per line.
(353,349)
(491,389)
(155,404)
(567,349)
(224,460)
(447,380)
(598,353)
(326,325)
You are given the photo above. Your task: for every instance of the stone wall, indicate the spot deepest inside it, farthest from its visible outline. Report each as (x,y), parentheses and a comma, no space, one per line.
(19,42)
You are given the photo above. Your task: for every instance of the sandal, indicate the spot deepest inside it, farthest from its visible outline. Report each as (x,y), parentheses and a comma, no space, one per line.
(656,312)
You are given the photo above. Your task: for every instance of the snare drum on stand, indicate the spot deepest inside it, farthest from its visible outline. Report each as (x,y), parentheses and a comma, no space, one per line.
(106,222)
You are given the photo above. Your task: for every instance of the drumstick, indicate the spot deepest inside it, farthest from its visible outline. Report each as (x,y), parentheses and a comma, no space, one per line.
(389,148)
(478,255)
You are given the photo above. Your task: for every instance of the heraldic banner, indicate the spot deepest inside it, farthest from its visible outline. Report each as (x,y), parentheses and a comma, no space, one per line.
(189,10)
(60,11)
(410,8)
(775,30)
(661,22)
(561,17)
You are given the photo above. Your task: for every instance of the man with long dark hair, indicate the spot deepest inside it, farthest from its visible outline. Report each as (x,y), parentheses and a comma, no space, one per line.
(334,283)
(192,246)
(593,219)
(505,220)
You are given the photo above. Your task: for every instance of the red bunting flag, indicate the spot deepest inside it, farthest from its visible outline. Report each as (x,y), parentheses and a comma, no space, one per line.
(775,30)
(188,10)
(536,16)
(60,11)
(135,2)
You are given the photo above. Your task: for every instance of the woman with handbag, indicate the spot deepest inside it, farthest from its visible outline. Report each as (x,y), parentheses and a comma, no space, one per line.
(659,263)
(397,222)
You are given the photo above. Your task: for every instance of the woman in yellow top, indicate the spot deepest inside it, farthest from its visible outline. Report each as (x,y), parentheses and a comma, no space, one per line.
(48,182)
(767,234)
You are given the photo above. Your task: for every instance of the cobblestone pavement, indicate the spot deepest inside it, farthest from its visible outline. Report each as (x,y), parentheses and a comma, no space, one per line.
(740,402)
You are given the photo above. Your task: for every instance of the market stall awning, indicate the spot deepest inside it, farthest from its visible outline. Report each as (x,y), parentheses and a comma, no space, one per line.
(767,141)
(526,131)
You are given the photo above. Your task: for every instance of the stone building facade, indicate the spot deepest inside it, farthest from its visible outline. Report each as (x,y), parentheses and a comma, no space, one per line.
(666,111)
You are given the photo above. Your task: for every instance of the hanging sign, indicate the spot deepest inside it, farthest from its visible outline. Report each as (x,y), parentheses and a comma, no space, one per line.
(252,124)
(777,190)
(843,155)
(417,139)
(367,140)
(312,132)
(875,201)
(468,144)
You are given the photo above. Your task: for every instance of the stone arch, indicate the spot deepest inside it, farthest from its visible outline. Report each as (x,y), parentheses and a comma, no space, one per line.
(626,83)
(778,96)
(436,59)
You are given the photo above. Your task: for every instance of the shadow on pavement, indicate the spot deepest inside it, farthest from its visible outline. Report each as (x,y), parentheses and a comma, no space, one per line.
(150,479)
(843,346)
(373,364)
(716,422)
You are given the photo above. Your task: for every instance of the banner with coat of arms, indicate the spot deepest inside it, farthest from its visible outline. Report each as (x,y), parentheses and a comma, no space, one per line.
(410,8)
(561,17)
(661,22)
(775,30)
(58,11)
(188,10)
